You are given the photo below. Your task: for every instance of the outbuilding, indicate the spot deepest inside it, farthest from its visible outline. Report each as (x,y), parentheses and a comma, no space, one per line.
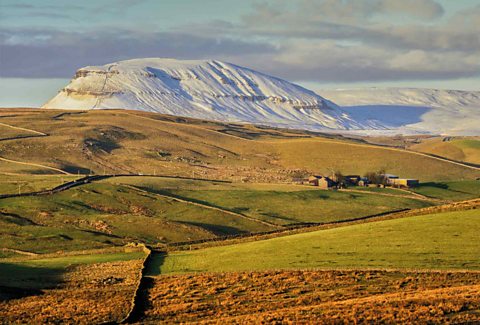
(404,182)
(321,181)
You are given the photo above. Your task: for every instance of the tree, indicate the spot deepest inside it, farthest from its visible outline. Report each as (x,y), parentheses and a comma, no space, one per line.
(299,174)
(338,177)
(377,177)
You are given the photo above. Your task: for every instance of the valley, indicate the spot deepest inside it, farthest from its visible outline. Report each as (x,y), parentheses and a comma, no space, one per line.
(239,162)
(129,209)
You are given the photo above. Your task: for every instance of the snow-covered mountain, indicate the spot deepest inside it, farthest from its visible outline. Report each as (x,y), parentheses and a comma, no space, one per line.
(226,92)
(403,96)
(203,89)
(412,110)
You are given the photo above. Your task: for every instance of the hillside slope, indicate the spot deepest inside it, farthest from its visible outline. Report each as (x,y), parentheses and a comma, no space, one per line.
(459,148)
(434,241)
(132,142)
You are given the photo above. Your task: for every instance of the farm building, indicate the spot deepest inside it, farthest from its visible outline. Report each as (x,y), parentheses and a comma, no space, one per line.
(363,181)
(403,182)
(352,179)
(395,181)
(321,181)
(390,176)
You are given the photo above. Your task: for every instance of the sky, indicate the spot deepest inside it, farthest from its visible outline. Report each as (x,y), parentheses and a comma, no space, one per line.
(320,44)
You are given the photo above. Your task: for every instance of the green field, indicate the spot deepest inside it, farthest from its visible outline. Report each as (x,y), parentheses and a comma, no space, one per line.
(147,209)
(99,215)
(300,206)
(456,191)
(380,190)
(437,241)
(281,204)
(14,184)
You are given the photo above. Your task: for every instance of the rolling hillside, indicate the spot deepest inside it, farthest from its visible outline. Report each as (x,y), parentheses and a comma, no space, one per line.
(126,142)
(459,148)
(162,210)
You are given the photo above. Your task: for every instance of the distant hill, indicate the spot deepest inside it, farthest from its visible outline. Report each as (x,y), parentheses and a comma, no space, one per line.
(412,110)
(456,148)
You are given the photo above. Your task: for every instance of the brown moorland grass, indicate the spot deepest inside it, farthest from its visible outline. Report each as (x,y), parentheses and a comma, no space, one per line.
(349,296)
(7,132)
(86,294)
(118,141)
(459,148)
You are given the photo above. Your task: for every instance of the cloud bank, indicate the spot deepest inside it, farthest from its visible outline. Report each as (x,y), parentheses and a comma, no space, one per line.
(309,40)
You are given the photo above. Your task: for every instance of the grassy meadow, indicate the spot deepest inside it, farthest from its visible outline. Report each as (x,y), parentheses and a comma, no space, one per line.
(157,210)
(118,210)
(14,184)
(99,215)
(437,241)
(289,204)
(456,190)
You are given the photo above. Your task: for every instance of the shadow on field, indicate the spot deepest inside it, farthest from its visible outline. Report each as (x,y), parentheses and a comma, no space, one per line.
(155,263)
(74,169)
(218,230)
(184,198)
(442,186)
(18,281)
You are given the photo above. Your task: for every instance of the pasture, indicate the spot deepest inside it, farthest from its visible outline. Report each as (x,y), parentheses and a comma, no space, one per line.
(458,148)
(454,190)
(282,204)
(437,241)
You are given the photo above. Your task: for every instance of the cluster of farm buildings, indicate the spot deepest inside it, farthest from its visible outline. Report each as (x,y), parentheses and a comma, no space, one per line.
(388,180)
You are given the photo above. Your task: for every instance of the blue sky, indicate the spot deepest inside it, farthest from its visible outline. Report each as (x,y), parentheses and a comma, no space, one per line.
(317,43)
